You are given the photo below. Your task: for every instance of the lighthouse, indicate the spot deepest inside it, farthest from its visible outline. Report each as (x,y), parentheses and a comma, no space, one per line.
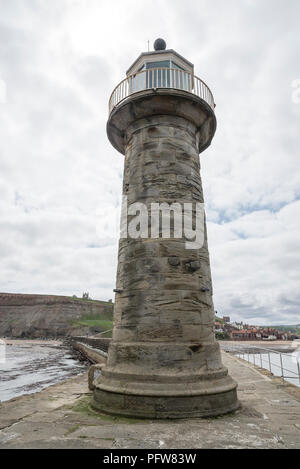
(163,360)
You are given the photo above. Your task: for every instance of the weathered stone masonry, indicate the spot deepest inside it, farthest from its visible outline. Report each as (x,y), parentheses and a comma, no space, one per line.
(163,360)
(162,165)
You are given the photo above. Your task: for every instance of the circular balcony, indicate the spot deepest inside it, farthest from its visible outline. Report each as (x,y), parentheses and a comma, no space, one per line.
(157,78)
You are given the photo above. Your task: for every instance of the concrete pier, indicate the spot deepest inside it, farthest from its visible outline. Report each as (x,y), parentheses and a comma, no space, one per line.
(62,417)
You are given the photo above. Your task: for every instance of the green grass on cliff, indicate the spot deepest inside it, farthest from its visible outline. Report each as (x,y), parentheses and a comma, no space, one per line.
(102,321)
(104,324)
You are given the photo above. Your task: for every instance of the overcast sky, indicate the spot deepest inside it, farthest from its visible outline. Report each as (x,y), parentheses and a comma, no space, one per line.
(59,62)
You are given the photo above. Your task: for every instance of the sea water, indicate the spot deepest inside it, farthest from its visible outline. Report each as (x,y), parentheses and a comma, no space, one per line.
(29,368)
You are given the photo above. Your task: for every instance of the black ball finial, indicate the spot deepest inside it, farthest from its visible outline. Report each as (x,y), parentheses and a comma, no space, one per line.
(160,44)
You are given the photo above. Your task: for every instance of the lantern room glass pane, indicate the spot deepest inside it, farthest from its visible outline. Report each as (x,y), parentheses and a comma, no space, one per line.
(159,64)
(157,76)
(160,74)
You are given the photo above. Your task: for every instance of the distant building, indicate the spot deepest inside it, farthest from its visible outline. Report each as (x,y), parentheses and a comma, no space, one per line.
(238,325)
(226,318)
(238,335)
(271,337)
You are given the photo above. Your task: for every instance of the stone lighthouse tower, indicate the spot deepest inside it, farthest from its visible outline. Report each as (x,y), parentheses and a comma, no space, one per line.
(163,361)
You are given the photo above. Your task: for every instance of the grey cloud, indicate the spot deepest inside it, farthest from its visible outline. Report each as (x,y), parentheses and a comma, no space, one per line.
(60,61)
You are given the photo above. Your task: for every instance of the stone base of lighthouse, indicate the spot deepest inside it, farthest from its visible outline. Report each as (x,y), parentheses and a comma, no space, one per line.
(176,407)
(167,394)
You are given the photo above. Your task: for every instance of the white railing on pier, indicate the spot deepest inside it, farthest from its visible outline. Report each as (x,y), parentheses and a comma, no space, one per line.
(270,359)
(155,78)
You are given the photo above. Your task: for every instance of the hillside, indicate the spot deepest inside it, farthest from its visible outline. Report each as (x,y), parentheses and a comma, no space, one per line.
(295,329)
(33,316)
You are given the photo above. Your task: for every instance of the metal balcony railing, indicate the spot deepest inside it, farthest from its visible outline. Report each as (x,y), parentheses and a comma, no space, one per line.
(155,78)
(284,365)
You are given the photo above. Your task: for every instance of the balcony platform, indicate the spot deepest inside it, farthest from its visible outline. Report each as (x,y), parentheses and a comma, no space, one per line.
(161,102)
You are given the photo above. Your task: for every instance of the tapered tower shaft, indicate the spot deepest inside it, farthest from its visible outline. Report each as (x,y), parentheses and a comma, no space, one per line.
(164,361)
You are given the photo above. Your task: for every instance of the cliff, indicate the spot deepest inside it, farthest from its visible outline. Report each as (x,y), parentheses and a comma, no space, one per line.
(33,316)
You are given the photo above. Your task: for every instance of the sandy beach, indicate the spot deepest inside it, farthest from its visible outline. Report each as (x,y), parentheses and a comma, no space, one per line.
(30,341)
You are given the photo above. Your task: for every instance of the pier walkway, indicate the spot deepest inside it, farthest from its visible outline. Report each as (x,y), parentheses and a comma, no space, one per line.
(60,417)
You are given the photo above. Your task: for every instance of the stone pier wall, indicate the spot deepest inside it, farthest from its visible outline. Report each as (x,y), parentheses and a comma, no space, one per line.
(95,342)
